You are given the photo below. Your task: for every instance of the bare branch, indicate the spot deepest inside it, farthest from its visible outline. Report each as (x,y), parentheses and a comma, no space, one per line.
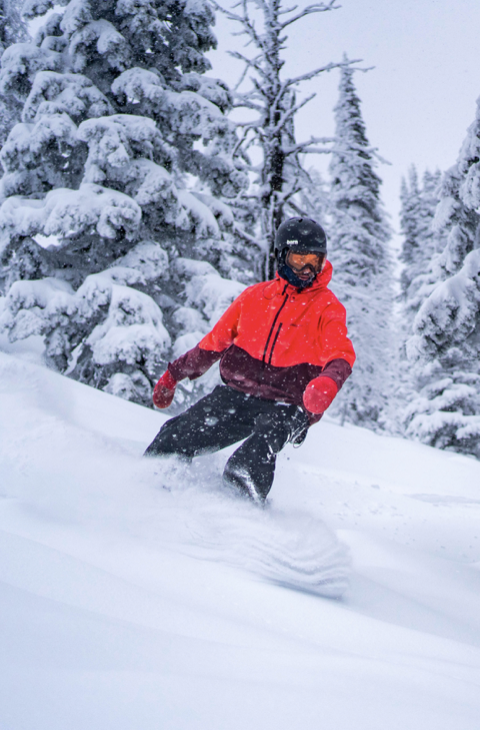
(250,63)
(291,112)
(240,142)
(317,8)
(288,10)
(298,211)
(316,151)
(353,150)
(247,24)
(306,147)
(247,103)
(317,71)
(246,236)
(247,126)
(242,78)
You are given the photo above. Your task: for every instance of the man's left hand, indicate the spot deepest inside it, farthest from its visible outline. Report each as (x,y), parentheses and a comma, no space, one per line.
(319,394)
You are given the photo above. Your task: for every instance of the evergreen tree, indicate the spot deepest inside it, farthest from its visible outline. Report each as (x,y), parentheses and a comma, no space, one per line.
(410,225)
(420,252)
(445,347)
(358,249)
(12,30)
(421,243)
(114,222)
(314,200)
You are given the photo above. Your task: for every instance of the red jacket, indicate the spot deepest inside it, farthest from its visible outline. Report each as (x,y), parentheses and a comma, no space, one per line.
(274,340)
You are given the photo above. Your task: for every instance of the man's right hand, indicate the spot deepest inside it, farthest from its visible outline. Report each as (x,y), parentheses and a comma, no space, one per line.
(164,390)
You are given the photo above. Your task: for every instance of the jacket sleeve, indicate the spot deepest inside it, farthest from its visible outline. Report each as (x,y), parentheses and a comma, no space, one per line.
(337,350)
(197,361)
(334,342)
(338,370)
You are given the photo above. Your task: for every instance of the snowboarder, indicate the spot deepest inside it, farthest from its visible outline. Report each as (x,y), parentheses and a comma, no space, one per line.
(284,354)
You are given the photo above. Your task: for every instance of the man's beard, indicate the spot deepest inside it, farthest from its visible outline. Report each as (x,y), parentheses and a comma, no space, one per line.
(287,273)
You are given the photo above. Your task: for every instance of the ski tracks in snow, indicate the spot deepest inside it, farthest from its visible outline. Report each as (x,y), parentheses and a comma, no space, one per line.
(291,549)
(66,461)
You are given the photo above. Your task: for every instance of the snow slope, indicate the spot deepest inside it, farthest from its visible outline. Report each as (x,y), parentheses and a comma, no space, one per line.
(136,594)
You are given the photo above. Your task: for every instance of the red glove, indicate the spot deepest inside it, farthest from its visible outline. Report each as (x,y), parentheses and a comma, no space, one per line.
(319,393)
(164,390)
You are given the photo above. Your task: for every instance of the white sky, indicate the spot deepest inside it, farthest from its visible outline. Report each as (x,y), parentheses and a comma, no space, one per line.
(420,98)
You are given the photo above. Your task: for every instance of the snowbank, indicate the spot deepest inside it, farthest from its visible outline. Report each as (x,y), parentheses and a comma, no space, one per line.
(137,593)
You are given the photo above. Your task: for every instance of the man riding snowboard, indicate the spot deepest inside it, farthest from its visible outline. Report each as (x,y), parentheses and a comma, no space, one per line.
(284,355)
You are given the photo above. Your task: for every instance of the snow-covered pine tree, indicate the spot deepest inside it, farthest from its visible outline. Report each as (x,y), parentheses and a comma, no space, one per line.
(12,30)
(421,241)
(12,27)
(113,223)
(445,349)
(358,248)
(314,199)
(410,226)
(419,254)
(279,175)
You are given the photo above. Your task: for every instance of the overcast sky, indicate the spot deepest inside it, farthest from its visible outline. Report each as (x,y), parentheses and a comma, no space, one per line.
(420,98)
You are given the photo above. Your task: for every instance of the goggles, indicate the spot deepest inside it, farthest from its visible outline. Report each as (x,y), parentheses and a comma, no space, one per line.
(299,261)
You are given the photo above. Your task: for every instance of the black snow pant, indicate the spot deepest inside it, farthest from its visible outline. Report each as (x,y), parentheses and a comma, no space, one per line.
(226,416)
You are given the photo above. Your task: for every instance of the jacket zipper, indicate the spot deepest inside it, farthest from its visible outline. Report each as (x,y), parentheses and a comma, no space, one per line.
(274,343)
(273,327)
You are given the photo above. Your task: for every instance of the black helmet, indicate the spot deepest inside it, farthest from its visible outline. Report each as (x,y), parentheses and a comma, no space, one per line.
(302,235)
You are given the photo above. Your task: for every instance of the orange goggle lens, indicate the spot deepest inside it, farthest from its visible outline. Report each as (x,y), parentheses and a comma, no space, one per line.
(300,260)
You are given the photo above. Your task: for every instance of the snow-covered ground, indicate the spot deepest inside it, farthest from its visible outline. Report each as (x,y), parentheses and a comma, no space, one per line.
(136,594)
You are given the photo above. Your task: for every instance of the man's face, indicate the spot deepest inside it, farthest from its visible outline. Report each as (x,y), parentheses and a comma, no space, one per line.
(305,265)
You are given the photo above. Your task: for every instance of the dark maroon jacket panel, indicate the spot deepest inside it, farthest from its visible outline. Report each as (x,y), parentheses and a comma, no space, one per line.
(194,363)
(243,372)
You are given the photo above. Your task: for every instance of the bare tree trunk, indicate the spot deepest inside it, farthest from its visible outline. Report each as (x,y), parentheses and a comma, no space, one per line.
(273,183)
(274,101)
